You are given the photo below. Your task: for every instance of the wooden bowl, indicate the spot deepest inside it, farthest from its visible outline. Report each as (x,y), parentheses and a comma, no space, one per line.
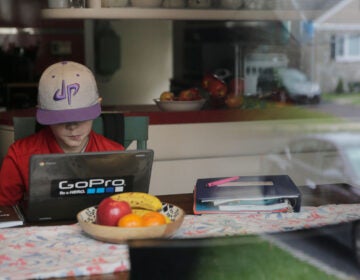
(87,218)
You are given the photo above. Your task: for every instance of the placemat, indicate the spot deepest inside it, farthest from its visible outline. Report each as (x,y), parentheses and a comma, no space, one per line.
(214,225)
(59,251)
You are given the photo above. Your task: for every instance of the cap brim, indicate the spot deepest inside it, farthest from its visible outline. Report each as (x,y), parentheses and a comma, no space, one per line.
(50,117)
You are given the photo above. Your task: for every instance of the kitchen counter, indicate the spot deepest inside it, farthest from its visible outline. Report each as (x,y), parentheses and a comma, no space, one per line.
(156,116)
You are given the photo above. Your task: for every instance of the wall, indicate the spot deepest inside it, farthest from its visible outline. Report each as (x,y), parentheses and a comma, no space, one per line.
(146,63)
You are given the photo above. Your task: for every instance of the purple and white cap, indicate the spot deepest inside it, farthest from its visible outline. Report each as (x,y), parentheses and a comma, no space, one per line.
(67,93)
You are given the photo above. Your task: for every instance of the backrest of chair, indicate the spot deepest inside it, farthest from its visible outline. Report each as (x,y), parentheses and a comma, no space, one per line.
(136,129)
(23,126)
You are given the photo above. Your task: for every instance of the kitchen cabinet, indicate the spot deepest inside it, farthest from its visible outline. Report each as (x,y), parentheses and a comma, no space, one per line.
(184,69)
(187,63)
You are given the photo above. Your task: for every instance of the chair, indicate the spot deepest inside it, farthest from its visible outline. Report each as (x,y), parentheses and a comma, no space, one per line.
(135,129)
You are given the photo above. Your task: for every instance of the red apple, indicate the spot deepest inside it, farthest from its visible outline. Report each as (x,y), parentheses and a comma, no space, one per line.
(214,85)
(218,89)
(196,93)
(110,211)
(189,94)
(207,80)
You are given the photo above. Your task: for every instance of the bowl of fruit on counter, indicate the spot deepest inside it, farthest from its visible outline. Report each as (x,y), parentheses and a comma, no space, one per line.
(187,100)
(131,215)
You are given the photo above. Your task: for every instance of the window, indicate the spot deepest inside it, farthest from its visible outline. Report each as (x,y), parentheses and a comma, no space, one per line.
(347,47)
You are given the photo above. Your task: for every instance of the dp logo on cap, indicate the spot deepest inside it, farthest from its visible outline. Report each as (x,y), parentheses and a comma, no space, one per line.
(66,92)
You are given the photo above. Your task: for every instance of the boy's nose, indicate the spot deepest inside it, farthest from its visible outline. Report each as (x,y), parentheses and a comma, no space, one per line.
(71,125)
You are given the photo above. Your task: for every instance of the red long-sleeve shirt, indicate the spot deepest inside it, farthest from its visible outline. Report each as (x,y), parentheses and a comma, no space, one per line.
(14,173)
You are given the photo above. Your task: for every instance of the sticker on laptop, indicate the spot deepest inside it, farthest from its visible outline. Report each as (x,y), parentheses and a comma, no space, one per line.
(91,186)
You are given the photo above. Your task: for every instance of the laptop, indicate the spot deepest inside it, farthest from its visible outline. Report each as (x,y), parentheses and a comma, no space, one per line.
(61,185)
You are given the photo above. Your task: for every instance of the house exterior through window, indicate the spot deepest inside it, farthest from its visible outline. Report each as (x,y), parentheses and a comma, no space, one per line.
(346,47)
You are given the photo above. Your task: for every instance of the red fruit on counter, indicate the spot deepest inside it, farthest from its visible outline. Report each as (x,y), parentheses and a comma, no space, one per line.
(196,93)
(215,86)
(166,96)
(189,94)
(207,80)
(218,89)
(234,101)
(110,211)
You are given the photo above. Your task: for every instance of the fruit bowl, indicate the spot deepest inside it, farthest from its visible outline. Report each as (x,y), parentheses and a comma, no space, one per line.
(177,105)
(87,218)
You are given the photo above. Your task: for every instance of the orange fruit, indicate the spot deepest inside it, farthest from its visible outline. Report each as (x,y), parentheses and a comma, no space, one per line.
(234,101)
(131,220)
(153,219)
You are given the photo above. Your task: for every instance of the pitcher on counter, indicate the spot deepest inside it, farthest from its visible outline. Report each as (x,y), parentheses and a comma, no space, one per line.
(68,102)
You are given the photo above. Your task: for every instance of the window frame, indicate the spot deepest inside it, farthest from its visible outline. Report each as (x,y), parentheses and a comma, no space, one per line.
(342,47)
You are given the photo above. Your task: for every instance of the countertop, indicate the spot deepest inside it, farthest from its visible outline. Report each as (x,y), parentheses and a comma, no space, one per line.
(156,116)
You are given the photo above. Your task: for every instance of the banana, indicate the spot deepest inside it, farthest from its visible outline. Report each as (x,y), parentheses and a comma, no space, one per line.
(140,211)
(139,200)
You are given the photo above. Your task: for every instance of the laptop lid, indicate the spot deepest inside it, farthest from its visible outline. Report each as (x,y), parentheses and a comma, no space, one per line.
(61,185)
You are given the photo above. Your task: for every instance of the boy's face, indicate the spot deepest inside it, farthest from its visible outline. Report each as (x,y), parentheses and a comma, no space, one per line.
(72,137)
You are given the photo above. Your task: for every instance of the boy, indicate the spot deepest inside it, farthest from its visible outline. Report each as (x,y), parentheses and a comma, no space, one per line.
(68,102)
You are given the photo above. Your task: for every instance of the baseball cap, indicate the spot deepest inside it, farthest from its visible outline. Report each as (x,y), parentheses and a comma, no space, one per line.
(67,93)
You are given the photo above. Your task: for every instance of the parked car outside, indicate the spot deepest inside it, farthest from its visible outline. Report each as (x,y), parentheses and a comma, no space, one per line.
(287,85)
(326,168)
